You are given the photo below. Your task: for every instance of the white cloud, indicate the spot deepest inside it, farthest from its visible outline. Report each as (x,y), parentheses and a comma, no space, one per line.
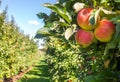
(33,22)
(1,11)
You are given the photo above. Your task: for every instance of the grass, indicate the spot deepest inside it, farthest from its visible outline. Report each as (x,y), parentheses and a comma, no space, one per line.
(39,73)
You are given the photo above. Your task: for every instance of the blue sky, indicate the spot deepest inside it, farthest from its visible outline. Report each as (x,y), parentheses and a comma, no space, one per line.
(24,12)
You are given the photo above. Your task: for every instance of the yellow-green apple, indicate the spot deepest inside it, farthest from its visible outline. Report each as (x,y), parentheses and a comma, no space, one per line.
(106,63)
(104,31)
(83,18)
(84,38)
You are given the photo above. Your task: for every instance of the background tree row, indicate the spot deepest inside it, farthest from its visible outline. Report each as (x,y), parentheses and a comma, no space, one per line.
(17,50)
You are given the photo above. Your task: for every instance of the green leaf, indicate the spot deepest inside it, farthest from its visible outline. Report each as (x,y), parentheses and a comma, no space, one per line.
(97,15)
(118,1)
(115,19)
(90,79)
(92,20)
(43,32)
(62,1)
(94,3)
(40,36)
(69,32)
(107,11)
(119,44)
(114,63)
(42,15)
(106,76)
(59,9)
(94,17)
(63,23)
(104,1)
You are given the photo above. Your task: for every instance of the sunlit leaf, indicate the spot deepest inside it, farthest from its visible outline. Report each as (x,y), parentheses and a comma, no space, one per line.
(107,11)
(94,17)
(43,32)
(97,15)
(69,32)
(63,23)
(78,6)
(104,1)
(59,9)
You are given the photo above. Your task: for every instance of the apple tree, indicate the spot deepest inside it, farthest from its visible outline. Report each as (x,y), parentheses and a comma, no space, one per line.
(82,40)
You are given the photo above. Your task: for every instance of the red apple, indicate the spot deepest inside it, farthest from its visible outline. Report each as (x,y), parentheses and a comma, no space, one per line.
(69,80)
(84,38)
(83,18)
(104,31)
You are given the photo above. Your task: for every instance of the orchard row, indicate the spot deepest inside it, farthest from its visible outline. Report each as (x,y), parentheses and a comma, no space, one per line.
(17,50)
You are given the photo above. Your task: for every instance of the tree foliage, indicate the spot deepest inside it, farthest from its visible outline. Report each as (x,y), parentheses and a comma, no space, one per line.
(67,60)
(17,50)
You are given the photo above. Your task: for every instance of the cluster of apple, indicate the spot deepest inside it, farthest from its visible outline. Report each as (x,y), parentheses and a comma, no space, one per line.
(87,34)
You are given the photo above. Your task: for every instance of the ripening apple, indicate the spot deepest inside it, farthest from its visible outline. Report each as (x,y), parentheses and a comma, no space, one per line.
(69,80)
(83,18)
(106,63)
(104,31)
(84,38)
